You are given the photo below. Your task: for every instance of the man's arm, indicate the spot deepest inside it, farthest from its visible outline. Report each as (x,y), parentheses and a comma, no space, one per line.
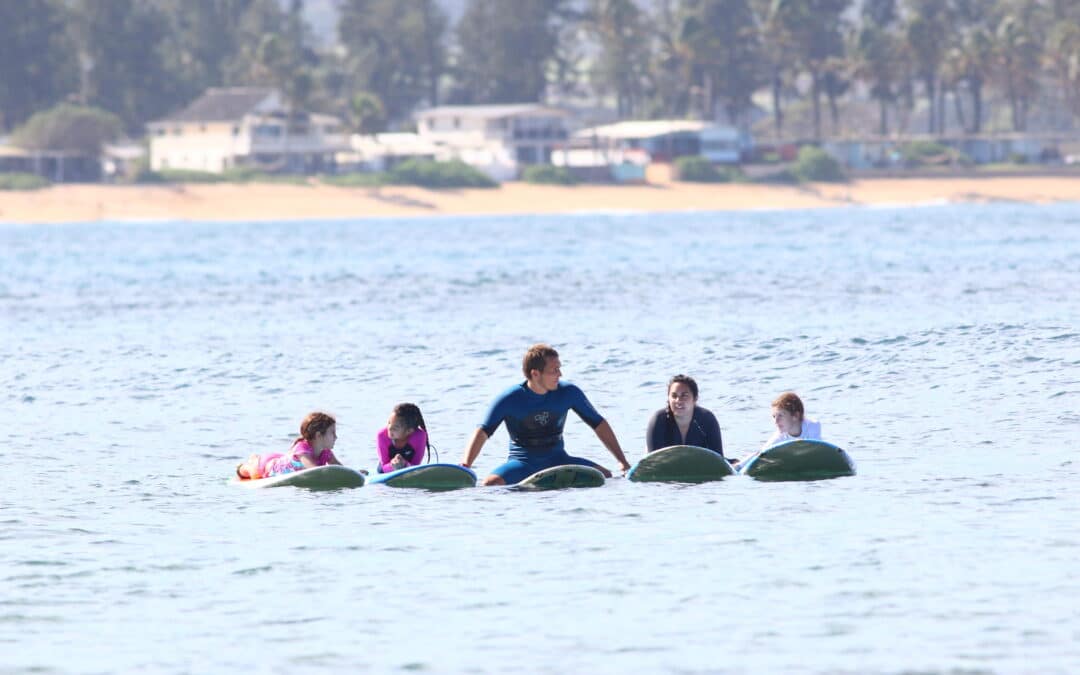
(479,437)
(607,437)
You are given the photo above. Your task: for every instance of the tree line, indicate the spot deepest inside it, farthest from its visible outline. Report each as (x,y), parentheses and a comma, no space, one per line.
(788,67)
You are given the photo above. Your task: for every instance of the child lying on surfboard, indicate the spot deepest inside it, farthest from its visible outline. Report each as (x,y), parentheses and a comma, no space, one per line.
(791,424)
(314,447)
(791,421)
(404,440)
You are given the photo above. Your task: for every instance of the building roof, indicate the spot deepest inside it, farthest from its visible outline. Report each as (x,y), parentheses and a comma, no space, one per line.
(491,111)
(643,129)
(222,104)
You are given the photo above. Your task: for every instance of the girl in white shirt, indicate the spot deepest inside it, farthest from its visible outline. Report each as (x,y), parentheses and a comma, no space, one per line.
(791,422)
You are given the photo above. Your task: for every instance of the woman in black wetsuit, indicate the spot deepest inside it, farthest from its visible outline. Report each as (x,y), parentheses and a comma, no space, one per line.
(683,421)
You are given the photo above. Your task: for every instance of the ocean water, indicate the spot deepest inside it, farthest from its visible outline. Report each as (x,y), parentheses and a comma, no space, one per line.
(940,345)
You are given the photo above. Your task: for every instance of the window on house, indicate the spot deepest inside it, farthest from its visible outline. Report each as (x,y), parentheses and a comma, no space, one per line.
(526,154)
(268,130)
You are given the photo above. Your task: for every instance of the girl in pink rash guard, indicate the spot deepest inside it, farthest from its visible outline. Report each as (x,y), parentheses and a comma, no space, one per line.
(404,440)
(314,447)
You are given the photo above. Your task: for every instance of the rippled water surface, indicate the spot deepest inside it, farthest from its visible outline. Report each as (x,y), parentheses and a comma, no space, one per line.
(940,346)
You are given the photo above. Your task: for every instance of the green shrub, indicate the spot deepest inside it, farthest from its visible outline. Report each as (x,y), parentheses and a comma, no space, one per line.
(1017,158)
(68,127)
(22,181)
(781,177)
(243,174)
(373,179)
(189,176)
(696,169)
(546,174)
(145,176)
(924,153)
(814,164)
(429,174)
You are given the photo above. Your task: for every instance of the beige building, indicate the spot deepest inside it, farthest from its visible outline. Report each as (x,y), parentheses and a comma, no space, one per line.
(245,127)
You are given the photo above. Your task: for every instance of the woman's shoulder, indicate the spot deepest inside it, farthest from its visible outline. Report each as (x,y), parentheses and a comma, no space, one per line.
(659,415)
(703,413)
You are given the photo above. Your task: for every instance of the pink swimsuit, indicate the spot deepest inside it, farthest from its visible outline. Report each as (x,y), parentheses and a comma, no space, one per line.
(417,440)
(277,464)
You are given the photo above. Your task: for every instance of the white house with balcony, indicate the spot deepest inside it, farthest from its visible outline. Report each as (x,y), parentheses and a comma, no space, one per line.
(245,127)
(665,140)
(497,139)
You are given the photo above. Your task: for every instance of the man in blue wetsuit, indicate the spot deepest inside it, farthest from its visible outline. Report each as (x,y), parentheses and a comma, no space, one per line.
(535,414)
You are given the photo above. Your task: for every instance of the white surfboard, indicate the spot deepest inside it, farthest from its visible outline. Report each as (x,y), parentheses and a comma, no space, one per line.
(560,477)
(680,464)
(327,477)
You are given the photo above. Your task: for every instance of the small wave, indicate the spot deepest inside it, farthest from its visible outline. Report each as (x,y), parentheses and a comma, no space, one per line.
(892,341)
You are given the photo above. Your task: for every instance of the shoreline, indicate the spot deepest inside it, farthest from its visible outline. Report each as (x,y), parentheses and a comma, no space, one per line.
(82,203)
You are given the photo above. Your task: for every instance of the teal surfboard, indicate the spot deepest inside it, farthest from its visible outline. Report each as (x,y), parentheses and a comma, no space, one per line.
(680,464)
(565,476)
(327,477)
(799,460)
(427,477)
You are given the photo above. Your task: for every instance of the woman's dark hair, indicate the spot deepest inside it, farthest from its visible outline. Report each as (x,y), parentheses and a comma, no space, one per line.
(684,379)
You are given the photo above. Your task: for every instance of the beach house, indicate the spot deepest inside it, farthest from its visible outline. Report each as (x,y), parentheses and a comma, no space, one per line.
(623,151)
(245,127)
(666,140)
(381,152)
(497,139)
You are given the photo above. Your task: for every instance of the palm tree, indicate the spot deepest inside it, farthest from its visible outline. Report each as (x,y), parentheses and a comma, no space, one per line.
(777,46)
(926,34)
(969,63)
(874,53)
(815,30)
(1063,60)
(1019,51)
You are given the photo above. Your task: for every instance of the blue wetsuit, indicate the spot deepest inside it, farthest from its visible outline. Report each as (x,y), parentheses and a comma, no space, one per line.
(535,423)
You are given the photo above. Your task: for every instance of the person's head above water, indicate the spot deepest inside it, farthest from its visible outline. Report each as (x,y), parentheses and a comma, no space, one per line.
(542,368)
(787,413)
(404,420)
(682,395)
(319,430)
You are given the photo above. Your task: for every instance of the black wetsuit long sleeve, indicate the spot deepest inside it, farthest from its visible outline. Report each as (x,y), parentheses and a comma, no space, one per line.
(704,431)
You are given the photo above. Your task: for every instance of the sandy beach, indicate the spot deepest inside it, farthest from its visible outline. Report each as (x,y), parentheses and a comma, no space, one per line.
(232,202)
